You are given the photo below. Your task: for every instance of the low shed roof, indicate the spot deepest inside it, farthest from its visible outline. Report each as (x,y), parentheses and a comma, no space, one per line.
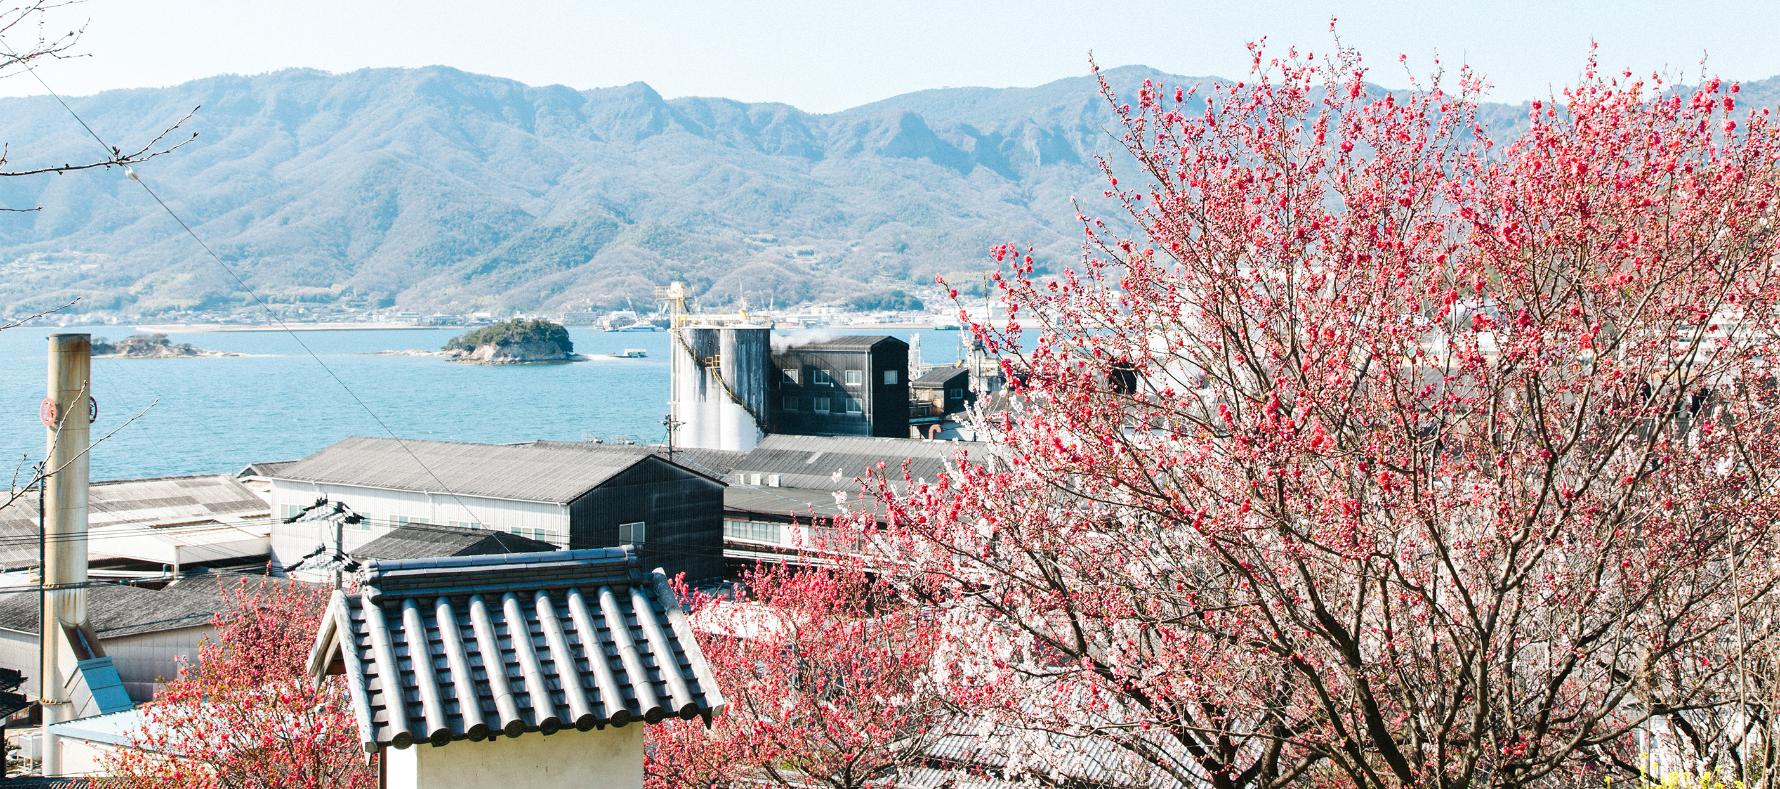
(174,510)
(476,647)
(426,541)
(115,610)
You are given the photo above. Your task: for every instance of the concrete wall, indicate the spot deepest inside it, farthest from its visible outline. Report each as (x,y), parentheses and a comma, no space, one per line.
(384,508)
(608,758)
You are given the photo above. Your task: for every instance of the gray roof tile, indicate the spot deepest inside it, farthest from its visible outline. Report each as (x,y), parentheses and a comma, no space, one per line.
(511,644)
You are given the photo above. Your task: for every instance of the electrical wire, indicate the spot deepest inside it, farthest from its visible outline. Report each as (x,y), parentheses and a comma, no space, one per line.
(131,173)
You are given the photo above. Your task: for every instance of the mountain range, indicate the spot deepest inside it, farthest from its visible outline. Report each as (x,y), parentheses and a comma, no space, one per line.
(432,189)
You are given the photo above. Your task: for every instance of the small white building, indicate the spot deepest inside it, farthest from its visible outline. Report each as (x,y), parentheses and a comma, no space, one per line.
(467,671)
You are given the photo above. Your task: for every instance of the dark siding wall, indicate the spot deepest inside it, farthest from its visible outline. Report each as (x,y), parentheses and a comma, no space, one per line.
(683,513)
(889,402)
(884,408)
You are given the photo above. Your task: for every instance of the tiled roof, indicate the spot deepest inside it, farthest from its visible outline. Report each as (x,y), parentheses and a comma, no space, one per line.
(512,644)
(114,610)
(427,541)
(136,505)
(550,472)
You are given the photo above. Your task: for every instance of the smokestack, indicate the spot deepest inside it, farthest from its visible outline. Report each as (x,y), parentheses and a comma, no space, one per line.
(67,422)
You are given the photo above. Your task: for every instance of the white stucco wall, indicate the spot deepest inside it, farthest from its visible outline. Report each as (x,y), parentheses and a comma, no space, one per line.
(384,508)
(609,758)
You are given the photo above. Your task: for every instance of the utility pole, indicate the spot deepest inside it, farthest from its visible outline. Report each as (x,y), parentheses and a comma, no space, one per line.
(673,426)
(67,420)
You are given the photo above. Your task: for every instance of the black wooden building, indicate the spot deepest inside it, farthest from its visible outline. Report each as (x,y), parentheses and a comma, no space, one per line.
(844,386)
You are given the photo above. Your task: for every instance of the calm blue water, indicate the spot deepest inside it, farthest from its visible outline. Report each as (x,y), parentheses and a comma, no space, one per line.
(219,414)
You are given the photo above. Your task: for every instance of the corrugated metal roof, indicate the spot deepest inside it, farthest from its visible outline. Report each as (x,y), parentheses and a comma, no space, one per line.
(847,342)
(936,377)
(501,641)
(789,502)
(114,610)
(426,541)
(555,473)
(133,505)
(834,462)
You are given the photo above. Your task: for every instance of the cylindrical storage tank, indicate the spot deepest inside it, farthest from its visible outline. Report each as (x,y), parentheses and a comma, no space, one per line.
(697,396)
(747,361)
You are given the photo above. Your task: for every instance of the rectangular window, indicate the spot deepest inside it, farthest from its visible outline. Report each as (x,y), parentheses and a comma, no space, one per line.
(753,531)
(853,405)
(955,394)
(790,376)
(290,511)
(821,406)
(855,377)
(631,533)
(821,377)
(790,404)
(891,377)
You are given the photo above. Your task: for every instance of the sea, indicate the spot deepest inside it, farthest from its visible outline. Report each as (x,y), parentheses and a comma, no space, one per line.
(217,414)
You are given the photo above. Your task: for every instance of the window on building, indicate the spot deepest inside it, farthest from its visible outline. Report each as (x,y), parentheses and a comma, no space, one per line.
(855,377)
(790,403)
(821,377)
(753,531)
(290,511)
(631,533)
(853,406)
(954,394)
(821,405)
(891,377)
(790,376)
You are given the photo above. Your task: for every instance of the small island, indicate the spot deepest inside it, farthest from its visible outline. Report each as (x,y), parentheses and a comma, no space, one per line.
(518,341)
(150,346)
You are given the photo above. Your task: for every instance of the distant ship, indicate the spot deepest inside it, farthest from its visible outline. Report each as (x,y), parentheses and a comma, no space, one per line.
(626,320)
(631,353)
(945,326)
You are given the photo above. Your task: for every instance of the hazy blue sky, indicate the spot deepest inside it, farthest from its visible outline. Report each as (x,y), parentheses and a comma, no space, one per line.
(830,54)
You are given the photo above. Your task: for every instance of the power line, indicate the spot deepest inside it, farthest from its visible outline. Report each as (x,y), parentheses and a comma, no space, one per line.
(131,173)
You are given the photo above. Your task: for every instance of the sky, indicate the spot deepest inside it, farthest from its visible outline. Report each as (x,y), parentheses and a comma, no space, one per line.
(827,55)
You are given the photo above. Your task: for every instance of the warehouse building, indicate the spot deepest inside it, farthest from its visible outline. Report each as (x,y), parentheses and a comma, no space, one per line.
(569,495)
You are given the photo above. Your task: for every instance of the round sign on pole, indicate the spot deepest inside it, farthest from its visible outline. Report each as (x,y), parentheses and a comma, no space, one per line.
(92,410)
(47,413)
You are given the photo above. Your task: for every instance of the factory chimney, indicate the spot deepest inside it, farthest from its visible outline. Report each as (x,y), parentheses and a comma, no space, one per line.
(67,420)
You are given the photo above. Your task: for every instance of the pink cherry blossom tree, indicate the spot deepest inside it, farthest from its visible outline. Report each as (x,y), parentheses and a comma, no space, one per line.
(827,686)
(1363,449)
(248,714)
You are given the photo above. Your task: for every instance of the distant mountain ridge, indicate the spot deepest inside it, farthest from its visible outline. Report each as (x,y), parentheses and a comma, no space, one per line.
(432,189)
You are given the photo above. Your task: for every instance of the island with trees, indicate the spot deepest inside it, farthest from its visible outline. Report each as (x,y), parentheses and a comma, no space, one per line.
(150,346)
(518,341)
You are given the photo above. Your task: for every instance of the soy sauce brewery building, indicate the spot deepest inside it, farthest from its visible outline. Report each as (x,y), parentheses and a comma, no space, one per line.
(570,495)
(843,386)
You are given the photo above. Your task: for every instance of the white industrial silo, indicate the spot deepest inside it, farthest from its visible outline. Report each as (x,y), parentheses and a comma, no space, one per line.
(719,384)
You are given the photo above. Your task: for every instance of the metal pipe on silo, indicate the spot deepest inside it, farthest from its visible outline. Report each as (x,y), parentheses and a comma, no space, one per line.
(68,429)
